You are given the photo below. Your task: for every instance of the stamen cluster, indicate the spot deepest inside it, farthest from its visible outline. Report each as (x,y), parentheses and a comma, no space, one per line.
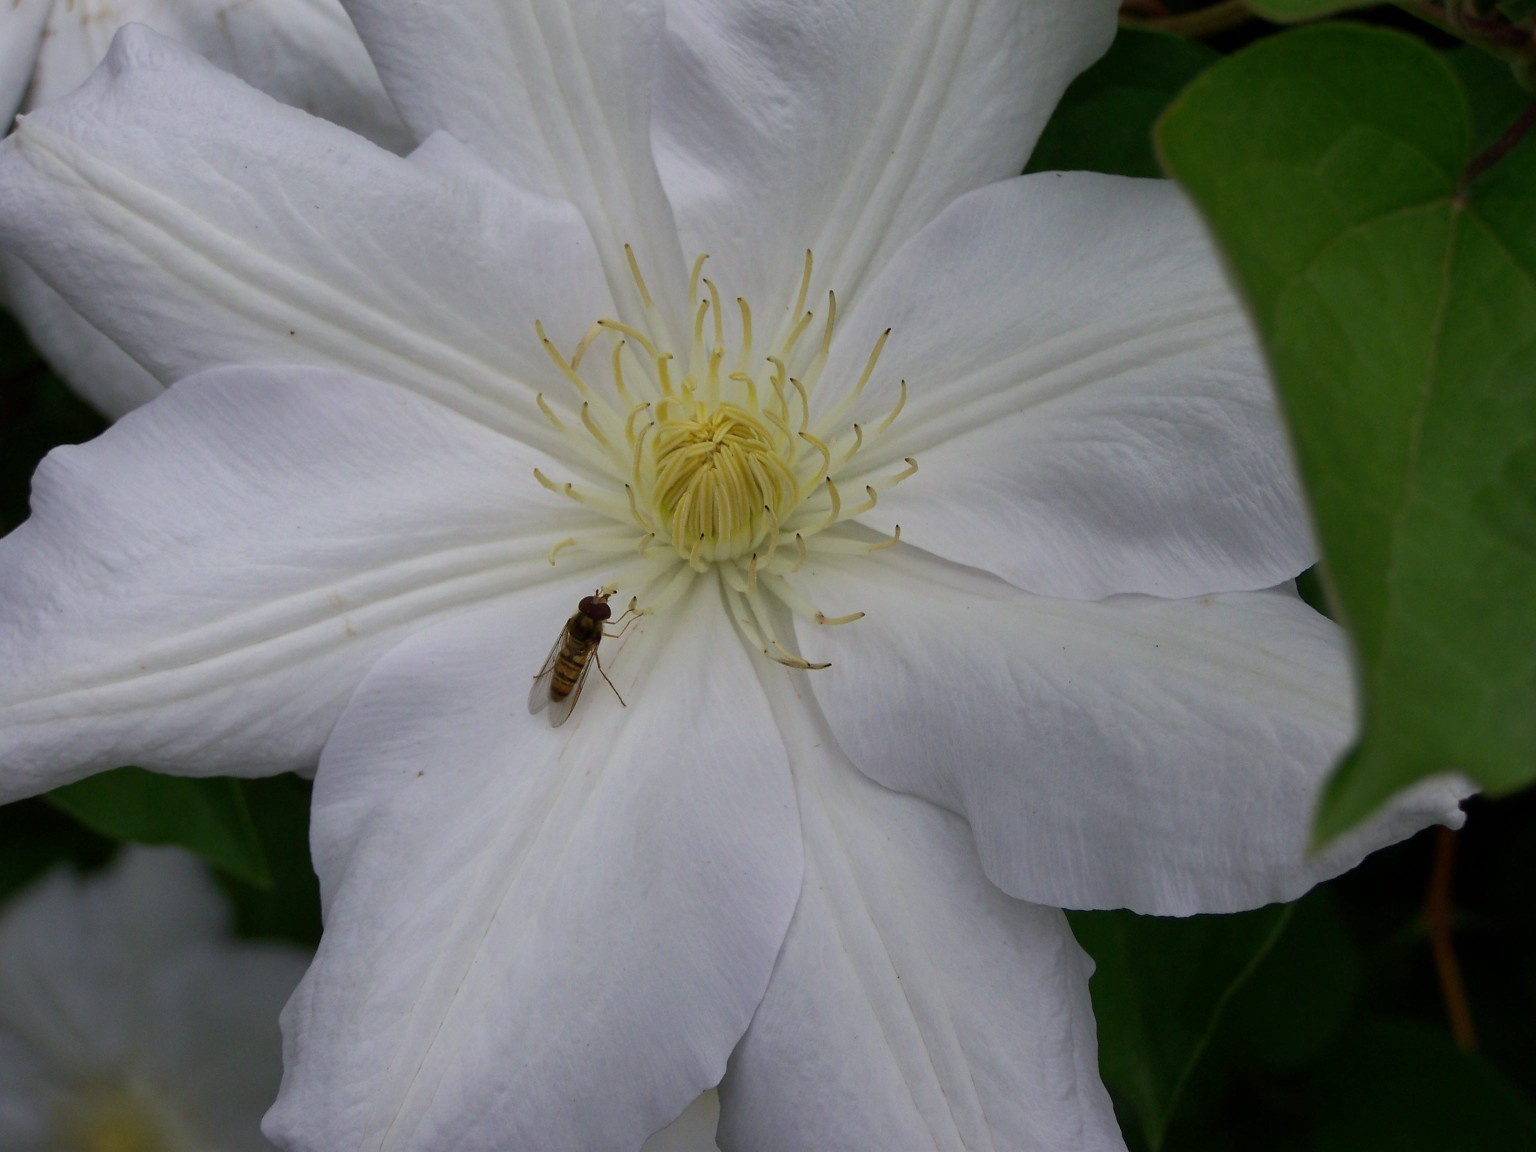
(720,462)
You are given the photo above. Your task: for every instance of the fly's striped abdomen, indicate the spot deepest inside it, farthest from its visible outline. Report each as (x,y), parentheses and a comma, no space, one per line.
(570,661)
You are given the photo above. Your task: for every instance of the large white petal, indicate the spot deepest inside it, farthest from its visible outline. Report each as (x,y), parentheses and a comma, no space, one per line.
(21,34)
(200,588)
(555,92)
(94,366)
(539,938)
(1159,755)
(914,1006)
(304,52)
(846,126)
(1087,401)
(197,222)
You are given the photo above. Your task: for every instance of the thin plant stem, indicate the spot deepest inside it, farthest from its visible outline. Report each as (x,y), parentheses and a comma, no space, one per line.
(1439,914)
(1501,147)
(1209,21)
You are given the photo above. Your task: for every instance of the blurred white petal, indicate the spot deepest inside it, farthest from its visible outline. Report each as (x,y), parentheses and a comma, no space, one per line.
(127,1014)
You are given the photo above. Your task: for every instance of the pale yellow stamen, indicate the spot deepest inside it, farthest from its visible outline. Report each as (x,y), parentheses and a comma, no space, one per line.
(618,369)
(820,446)
(822,618)
(901,402)
(548,411)
(597,433)
(634,270)
(746,340)
(631,332)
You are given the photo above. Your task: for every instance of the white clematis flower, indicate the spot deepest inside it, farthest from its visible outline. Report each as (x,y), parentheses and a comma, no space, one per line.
(129,1021)
(426,404)
(304,52)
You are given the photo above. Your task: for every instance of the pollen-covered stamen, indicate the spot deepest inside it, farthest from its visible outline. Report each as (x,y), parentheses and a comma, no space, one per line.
(726,461)
(597,501)
(549,412)
(756,620)
(592,544)
(717,472)
(838,545)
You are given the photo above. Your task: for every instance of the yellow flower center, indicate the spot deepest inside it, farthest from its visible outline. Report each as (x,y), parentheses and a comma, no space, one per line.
(720,478)
(119,1118)
(720,458)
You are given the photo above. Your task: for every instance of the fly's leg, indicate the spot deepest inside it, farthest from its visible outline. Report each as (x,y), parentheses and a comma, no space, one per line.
(598,661)
(632,614)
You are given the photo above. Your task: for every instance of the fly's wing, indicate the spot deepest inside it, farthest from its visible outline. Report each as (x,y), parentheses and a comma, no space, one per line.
(538,695)
(560,710)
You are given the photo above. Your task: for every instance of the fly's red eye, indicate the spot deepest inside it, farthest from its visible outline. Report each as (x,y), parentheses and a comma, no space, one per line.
(595,608)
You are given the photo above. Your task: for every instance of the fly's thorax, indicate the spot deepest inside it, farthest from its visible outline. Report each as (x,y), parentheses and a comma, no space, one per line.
(584,630)
(582,633)
(719,456)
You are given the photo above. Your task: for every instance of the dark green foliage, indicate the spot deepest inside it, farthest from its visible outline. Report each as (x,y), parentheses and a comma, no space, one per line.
(1393,276)
(207,816)
(1104,122)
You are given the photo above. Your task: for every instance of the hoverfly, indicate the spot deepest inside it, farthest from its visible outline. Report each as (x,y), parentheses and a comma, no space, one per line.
(558,684)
